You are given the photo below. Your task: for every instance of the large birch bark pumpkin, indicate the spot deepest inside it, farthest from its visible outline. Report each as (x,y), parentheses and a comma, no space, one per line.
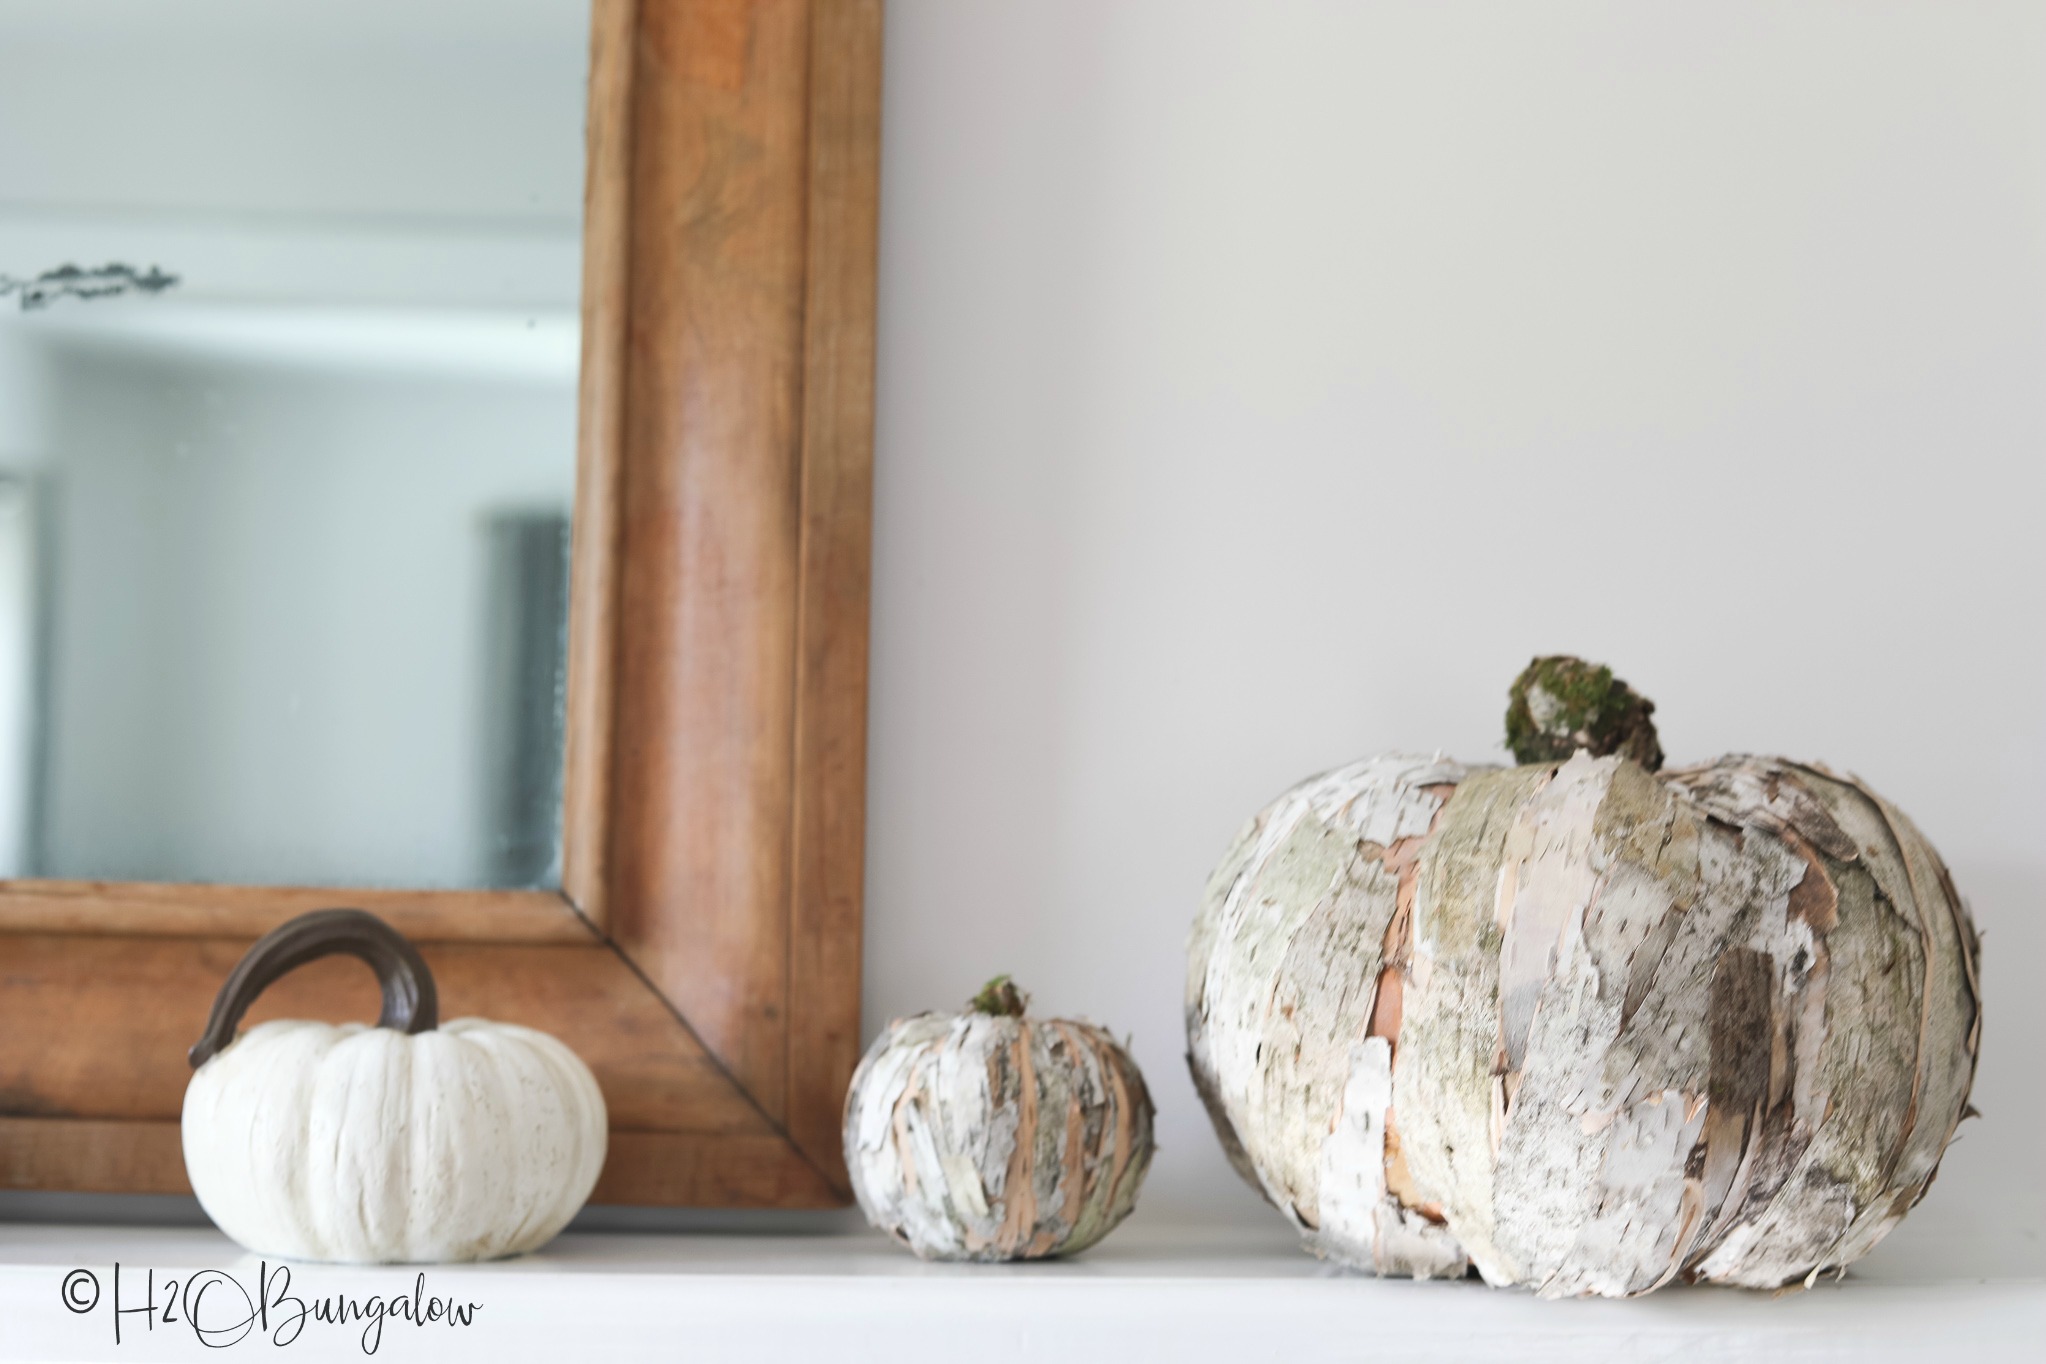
(1582,1024)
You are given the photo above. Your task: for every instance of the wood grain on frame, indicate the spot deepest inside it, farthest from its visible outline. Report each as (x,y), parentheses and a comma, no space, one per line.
(705,689)
(704,953)
(152,909)
(144,993)
(836,528)
(593,554)
(679,1169)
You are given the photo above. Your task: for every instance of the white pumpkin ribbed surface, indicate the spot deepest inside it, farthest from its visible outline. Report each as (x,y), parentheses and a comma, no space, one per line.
(366,1145)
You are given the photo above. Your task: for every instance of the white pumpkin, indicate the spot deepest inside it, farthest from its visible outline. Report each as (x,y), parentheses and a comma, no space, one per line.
(990,1136)
(403,1142)
(1587,1026)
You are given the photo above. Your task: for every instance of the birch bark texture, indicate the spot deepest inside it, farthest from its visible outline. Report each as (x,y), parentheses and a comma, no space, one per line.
(1584,1026)
(988,1135)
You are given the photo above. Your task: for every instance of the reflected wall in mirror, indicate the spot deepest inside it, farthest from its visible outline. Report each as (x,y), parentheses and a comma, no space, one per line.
(283,547)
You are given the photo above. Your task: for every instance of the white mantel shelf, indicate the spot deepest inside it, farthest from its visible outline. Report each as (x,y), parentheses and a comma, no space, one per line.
(1152,1291)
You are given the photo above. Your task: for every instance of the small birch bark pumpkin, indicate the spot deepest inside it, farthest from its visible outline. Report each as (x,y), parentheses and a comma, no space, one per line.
(1584,1025)
(987,1135)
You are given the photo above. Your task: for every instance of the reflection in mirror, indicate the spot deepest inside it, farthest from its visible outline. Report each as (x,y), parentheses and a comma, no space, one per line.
(283,543)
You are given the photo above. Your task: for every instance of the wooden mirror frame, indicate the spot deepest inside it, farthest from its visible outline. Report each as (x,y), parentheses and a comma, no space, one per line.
(704,953)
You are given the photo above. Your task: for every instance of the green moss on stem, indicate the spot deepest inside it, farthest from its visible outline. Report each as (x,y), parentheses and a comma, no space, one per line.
(1560,704)
(1000,998)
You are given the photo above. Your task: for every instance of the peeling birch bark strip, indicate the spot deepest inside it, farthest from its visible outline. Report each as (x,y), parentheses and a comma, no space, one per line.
(1884,1101)
(1446,1085)
(1282,991)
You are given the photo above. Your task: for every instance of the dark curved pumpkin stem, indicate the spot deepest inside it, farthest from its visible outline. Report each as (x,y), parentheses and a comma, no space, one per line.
(1560,704)
(411,1004)
(1001,998)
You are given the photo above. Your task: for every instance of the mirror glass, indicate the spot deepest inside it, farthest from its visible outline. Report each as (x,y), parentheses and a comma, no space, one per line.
(288,351)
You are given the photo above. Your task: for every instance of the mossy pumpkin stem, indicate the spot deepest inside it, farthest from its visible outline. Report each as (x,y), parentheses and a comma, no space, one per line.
(1000,998)
(1561,704)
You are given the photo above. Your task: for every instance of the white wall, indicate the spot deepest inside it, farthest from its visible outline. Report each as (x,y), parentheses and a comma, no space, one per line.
(1261,384)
